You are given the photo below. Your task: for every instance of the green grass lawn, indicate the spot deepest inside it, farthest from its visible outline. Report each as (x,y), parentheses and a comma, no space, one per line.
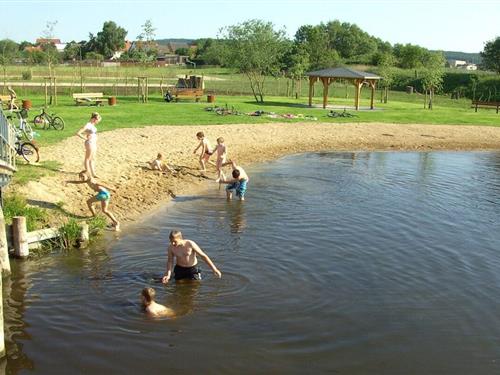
(403,108)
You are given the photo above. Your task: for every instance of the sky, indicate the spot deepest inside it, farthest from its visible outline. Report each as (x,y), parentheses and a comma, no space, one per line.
(459,25)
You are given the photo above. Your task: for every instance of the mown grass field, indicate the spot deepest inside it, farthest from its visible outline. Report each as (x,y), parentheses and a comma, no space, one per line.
(129,113)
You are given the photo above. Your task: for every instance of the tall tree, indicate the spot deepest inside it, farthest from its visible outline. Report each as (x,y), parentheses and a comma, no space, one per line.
(491,55)
(8,51)
(146,46)
(110,39)
(432,76)
(256,49)
(295,64)
(315,40)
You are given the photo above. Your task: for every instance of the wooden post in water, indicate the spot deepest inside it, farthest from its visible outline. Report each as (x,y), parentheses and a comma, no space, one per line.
(20,237)
(4,250)
(83,241)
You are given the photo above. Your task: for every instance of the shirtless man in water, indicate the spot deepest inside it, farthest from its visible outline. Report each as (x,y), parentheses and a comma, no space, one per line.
(185,252)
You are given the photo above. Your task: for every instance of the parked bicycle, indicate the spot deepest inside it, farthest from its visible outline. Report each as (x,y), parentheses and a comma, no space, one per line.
(27,150)
(23,129)
(335,114)
(45,121)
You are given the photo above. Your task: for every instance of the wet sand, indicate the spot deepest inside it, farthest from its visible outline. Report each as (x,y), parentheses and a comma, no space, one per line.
(122,156)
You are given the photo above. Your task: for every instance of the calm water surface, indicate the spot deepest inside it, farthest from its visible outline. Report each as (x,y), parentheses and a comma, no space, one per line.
(342,263)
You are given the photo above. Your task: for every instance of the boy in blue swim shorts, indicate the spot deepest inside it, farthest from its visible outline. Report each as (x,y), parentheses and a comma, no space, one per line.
(103,195)
(238,183)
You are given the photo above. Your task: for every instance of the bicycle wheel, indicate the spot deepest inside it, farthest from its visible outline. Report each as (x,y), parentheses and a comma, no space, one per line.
(27,131)
(39,121)
(58,123)
(30,152)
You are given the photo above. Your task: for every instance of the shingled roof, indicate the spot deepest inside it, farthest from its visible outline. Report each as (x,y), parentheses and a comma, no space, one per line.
(342,73)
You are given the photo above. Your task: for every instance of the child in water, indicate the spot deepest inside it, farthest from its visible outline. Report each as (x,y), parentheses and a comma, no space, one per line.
(159,165)
(153,309)
(238,183)
(103,195)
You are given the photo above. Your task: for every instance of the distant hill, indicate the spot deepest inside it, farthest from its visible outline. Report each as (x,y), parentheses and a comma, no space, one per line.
(474,58)
(165,42)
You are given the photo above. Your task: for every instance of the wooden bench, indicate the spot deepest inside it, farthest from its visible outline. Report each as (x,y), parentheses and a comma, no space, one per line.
(89,98)
(477,103)
(187,92)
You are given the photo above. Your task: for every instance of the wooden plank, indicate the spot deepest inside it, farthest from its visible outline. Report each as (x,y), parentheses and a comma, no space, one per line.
(42,234)
(84,95)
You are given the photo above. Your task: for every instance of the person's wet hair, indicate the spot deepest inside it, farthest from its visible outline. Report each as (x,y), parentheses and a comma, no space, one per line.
(148,294)
(175,234)
(236,173)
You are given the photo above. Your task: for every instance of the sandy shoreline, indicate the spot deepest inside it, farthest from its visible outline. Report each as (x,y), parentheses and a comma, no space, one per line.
(122,155)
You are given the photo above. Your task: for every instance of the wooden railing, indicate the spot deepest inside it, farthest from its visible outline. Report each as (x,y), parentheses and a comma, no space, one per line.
(7,150)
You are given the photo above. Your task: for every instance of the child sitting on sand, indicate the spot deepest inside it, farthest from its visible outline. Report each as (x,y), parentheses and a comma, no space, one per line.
(159,165)
(103,195)
(152,308)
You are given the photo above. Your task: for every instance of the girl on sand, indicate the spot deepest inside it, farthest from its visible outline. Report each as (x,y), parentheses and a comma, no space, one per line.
(89,134)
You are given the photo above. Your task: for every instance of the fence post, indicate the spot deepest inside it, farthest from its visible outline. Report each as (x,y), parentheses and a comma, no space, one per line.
(4,249)
(20,236)
(83,241)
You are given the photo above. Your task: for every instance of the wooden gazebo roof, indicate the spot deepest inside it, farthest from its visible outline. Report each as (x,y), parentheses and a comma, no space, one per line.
(328,76)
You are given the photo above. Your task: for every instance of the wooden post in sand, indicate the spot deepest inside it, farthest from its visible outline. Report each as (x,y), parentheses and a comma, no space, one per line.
(20,237)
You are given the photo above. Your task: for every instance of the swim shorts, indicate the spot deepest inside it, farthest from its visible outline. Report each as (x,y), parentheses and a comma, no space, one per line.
(103,195)
(187,273)
(240,187)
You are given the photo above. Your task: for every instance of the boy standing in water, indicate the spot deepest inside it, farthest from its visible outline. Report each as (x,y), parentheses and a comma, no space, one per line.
(238,183)
(185,252)
(205,150)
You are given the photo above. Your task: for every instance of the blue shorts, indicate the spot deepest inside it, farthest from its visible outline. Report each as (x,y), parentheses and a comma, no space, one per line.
(240,187)
(103,195)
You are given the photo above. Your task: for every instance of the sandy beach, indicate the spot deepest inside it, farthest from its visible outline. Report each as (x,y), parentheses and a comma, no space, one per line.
(122,156)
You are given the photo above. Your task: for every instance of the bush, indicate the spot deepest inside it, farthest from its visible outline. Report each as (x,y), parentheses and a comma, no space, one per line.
(16,205)
(26,75)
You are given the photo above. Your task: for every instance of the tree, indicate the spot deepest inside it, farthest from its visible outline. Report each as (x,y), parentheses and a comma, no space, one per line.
(110,39)
(256,49)
(295,64)
(432,75)
(316,42)
(72,51)
(8,51)
(49,50)
(146,45)
(491,55)
(210,51)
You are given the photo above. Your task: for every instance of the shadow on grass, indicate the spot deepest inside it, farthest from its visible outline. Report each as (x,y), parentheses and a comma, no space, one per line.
(55,207)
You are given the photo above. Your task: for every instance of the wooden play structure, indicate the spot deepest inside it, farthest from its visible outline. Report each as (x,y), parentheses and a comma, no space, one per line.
(189,86)
(328,76)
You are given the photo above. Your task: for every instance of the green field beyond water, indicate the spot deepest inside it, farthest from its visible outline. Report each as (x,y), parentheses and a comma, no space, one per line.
(129,113)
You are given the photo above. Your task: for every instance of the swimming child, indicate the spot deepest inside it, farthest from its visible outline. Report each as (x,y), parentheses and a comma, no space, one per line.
(185,252)
(103,195)
(152,308)
(238,183)
(205,150)
(221,151)
(159,165)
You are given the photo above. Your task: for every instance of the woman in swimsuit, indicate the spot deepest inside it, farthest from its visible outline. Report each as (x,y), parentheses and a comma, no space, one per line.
(89,134)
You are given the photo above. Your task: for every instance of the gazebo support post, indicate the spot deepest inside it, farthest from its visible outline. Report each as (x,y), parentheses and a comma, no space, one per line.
(311,89)
(372,85)
(358,83)
(325,91)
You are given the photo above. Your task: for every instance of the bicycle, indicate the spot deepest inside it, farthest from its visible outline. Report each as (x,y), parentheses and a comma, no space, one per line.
(24,128)
(46,120)
(335,114)
(27,150)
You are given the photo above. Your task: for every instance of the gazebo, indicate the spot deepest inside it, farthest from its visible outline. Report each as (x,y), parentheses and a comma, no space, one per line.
(328,76)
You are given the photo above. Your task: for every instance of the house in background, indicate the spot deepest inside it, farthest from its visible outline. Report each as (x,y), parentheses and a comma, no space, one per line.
(56,42)
(456,63)
(128,45)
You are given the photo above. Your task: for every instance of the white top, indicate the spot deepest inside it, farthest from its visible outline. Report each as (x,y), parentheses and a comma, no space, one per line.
(91,131)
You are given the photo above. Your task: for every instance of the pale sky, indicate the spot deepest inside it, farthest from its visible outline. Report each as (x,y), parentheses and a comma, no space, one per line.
(435,24)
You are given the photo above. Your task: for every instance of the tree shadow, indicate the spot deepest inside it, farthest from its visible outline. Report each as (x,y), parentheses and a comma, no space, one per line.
(279,104)
(55,207)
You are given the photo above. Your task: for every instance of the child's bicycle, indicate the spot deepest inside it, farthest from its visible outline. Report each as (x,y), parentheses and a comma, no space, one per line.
(27,150)
(45,121)
(24,128)
(335,114)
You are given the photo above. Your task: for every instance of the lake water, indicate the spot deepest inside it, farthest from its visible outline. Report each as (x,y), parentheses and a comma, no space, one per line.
(342,263)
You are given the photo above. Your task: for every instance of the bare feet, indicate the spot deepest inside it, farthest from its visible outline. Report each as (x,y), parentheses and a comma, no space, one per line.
(117,227)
